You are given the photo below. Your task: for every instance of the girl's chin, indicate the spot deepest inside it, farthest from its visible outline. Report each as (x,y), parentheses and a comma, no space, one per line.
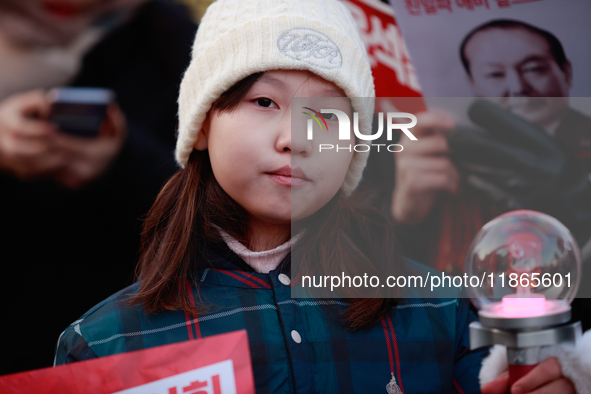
(299,215)
(285,219)
(272,218)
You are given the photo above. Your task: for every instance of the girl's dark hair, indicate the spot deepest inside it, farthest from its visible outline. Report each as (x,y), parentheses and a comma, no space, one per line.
(181,224)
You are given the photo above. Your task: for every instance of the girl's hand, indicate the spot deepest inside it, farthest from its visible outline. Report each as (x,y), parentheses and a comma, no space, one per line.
(546,378)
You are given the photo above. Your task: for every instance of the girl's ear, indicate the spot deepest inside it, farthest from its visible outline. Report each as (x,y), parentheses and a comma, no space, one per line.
(202,138)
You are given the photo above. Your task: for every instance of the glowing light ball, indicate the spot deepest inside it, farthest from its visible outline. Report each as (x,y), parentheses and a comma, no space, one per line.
(529,267)
(530,263)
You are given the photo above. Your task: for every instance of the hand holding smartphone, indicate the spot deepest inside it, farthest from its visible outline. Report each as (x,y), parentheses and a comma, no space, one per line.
(79,110)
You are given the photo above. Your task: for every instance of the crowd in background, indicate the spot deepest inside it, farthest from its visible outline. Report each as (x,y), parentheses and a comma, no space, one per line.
(71,208)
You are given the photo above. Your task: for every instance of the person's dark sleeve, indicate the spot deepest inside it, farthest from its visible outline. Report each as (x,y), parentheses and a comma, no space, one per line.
(468,362)
(143,63)
(7,185)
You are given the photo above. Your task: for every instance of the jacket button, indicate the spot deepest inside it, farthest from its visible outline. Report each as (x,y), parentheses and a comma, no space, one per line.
(296,336)
(284,279)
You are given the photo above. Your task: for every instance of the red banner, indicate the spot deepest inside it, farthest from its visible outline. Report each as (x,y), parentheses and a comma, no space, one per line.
(393,72)
(213,365)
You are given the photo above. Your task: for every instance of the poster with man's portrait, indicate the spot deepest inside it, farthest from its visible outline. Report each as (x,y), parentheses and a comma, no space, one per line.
(498,48)
(515,77)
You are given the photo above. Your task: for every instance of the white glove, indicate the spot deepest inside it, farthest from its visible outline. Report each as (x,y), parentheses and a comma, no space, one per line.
(575,362)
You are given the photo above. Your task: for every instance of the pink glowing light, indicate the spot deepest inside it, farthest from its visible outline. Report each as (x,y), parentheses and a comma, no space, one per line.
(516,305)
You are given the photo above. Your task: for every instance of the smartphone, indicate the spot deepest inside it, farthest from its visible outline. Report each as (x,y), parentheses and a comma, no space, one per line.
(79,110)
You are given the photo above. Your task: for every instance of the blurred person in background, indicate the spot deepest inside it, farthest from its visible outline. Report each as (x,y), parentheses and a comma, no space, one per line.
(70,206)
(523,69)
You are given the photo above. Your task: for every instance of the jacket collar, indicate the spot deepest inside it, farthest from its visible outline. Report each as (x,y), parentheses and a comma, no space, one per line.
(222,266)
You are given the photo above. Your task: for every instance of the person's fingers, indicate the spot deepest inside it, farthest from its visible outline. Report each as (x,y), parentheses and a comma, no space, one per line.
(545,372)
(33,104)
(412,209)
(48,163)
(498,386)
(562,386)
(423,169)
(25,148)
(29,166)
(37,104)
(426,146)
(412,173)
(420,164)
(14,121)
(115,124)
(418,185)
(73,145)
(76,174)
(418,195)
(432,122)
(88,158)
(453,186)
(82,146)
(29,128)
(435,181)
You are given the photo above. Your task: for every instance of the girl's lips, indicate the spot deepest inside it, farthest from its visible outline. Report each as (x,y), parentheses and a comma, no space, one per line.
(287,180)
(285,176)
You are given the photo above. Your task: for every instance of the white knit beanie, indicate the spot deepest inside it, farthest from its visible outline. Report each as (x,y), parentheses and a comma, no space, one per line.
(237,38)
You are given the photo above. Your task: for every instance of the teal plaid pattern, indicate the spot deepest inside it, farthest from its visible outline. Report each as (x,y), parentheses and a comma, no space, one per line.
(424,343)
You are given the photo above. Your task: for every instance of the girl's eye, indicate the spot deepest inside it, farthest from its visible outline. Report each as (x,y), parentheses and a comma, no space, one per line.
(329,116)
(265,102)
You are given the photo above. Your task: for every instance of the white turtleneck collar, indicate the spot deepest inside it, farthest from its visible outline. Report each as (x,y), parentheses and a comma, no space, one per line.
(264,261)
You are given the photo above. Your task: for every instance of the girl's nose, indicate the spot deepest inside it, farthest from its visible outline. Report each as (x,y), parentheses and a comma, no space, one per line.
(295,141)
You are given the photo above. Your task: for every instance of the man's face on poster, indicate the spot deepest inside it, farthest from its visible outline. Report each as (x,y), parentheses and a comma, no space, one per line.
(517,66)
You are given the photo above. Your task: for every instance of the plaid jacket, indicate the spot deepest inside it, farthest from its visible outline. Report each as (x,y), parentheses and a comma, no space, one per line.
(297,345)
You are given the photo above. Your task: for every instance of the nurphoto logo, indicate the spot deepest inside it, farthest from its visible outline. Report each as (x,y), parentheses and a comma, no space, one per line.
(392,123)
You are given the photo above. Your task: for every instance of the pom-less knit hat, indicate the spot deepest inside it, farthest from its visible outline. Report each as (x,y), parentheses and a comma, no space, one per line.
(237,38)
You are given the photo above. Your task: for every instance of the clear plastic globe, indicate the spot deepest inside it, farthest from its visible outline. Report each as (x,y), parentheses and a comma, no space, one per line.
(528,264)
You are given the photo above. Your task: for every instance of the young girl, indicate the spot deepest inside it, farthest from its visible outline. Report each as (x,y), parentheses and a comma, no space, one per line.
(216,254)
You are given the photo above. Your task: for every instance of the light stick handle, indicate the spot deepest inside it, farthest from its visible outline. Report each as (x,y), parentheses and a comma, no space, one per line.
(516,372)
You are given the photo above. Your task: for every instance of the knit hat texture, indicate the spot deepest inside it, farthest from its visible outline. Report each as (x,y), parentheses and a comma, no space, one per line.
(237,38)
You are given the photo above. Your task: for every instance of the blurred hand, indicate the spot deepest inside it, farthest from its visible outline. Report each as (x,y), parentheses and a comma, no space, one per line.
(423,169)
(88,158)
(27,148)
(545,378)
